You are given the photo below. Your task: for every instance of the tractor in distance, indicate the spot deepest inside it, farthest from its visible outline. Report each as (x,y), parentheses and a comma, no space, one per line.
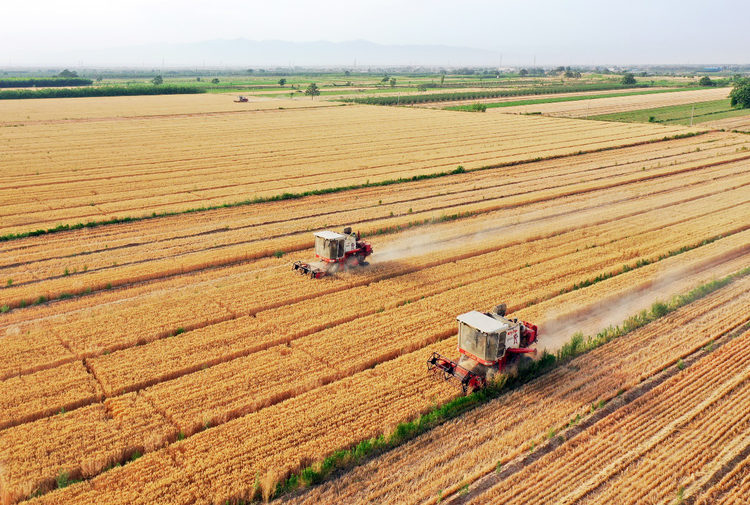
(488,343)
(335,252)
(241,99)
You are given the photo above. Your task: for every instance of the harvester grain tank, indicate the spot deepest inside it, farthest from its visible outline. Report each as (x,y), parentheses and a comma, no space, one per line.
(488,343)
(335,252)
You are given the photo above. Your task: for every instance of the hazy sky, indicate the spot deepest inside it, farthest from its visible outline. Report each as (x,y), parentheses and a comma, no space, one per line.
(555,31)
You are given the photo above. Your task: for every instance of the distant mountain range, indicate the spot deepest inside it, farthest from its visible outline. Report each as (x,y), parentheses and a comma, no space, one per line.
(270,53)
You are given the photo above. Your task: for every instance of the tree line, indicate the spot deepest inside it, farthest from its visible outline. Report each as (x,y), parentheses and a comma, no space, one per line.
(133,90)
(43,82)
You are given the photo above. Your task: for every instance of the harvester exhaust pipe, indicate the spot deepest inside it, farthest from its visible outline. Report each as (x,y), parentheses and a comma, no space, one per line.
(501,309)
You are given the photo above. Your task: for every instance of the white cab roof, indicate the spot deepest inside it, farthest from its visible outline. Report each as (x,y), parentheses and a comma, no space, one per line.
(329,235)
(482,322)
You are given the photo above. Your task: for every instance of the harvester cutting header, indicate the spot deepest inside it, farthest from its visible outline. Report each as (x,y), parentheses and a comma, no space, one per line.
(489,343)
(335,252)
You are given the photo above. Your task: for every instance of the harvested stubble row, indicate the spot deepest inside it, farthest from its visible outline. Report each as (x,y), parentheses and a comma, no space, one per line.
(194,350)
(29,397)
(453,103)
(193,471)
(644,451)
(126,267)
(199,173)
(193,405)
(554,172)
(611,105)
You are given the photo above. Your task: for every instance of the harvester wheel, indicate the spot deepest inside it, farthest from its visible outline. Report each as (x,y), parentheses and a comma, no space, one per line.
(352,261)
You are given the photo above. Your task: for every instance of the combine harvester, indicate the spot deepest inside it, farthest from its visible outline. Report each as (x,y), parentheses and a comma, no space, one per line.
(241,99)
(335,252)
(489,343)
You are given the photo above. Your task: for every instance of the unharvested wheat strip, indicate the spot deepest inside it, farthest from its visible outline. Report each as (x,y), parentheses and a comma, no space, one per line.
(80,443)
(278,450)
(25,399)
(25,271)
(557,138)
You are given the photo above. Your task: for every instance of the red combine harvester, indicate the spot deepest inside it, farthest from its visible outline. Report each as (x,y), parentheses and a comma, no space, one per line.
(335,252)
(489,343)
(241,99)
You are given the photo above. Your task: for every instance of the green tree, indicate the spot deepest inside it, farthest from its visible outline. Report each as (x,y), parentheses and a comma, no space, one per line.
(628,79)
(523,72)
(347,73)
(215,80)
(421,88)
(282,81)
(393,81)
(67,74)
(706,81)
(442,79)
(312,91)
(157,80)
(740,94)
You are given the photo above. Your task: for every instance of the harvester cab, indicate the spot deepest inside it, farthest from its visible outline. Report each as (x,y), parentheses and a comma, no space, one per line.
(488,343)
(335,252)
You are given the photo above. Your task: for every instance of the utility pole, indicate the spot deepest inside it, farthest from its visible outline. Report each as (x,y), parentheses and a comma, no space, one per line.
(691,115)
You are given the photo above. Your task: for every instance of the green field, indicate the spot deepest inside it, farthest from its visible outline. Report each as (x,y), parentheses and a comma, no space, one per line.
(678,114)
(568,99)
